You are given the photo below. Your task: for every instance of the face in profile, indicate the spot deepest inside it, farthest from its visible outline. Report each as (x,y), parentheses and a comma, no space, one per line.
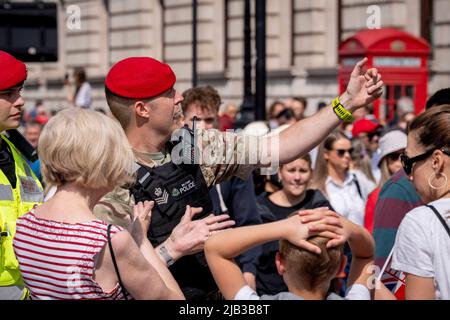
(11,103)
(166,112)
(420,170)
(393,161)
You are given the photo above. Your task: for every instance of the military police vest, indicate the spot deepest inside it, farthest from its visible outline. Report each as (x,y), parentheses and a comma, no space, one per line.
(172,187)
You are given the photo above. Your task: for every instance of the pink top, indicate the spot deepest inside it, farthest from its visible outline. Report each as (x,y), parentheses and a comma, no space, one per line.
(57,259)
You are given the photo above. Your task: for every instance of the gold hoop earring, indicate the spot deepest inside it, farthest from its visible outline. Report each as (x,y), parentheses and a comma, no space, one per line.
(439,174)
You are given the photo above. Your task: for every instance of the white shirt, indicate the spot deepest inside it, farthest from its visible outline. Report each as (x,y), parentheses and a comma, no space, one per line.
(313,154)
(84,96)
(346,199)
(367,185)
(355,292)
(422,246)
(374,163)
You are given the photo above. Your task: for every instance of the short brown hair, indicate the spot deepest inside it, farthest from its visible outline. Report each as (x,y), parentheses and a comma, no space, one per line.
(206,97)
(311,270)
(432,127)
(302,100)
(120,107)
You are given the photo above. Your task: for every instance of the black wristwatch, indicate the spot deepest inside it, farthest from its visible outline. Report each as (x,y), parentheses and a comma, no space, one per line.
(165,254)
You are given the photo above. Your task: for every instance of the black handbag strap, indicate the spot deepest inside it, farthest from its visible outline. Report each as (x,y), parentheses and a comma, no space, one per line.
(358,187)
(115,263)
(440,219)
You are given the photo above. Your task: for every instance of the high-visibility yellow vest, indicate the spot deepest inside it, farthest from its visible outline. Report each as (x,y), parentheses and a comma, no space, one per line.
(13,204)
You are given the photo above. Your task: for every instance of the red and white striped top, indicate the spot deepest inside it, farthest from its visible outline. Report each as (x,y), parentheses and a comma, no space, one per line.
(56,259)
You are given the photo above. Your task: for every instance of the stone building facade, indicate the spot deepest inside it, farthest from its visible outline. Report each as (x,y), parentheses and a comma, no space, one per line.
(302,41)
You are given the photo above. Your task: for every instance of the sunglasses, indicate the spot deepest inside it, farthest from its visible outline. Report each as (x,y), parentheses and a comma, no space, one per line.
(408,162)
(341,152)
(394,156)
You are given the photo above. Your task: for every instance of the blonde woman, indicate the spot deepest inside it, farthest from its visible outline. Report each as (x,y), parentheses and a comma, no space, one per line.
(64,252)
(332,176)
(361,164)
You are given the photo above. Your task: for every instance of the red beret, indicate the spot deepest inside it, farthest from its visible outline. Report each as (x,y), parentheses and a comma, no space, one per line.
(139,78)
(364,126)
(13,71)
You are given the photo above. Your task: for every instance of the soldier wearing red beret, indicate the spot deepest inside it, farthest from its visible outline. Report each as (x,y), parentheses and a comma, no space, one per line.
(20,190)
(141,95)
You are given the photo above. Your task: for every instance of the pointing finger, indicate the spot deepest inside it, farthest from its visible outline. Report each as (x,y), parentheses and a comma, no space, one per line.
(357,71)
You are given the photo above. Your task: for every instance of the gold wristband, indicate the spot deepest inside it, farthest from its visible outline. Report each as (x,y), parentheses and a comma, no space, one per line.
(341,112)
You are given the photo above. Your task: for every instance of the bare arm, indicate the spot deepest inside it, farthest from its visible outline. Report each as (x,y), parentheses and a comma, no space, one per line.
(138,228)
(419,288)
(143,279)
(189,236)
(383,293)
(300,138)
(363,247)
(223,247)
(250,278)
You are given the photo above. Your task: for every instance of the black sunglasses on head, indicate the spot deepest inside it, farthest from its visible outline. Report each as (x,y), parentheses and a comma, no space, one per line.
(408,162)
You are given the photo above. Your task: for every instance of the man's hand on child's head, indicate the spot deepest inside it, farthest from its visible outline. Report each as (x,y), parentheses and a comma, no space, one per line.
(323,222)
(347,230)
(316,214)
(315,222)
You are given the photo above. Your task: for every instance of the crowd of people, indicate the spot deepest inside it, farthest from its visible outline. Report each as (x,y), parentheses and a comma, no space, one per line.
(108,212)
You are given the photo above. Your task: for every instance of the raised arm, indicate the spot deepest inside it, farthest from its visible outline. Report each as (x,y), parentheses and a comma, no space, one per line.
(362,246)
(221,248)
(143,277)
(189,236)
(363,88)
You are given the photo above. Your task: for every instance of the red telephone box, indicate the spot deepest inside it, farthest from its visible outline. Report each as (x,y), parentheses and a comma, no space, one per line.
(401,58)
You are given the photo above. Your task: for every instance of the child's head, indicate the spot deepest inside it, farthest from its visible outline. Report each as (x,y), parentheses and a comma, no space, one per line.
(86,148)
(310,271)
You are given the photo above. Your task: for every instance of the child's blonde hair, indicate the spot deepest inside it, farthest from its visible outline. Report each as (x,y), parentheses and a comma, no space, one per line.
(87,148)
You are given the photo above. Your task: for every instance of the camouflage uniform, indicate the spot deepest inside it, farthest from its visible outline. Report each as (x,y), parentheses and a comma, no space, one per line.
(116,207)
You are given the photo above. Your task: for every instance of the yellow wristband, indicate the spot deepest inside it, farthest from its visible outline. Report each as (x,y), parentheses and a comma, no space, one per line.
(341,112)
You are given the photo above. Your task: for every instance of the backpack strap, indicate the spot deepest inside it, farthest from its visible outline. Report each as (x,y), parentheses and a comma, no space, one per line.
(125,293)
(438,215)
